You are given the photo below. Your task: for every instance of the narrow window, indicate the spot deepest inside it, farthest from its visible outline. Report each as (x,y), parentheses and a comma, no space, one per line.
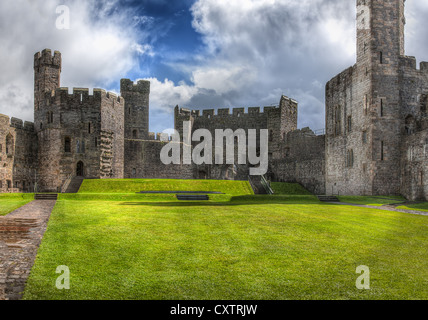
(421,178)
(350,159)
(349,123)
(78,146)
(83,146)
(381,107)
(1,148)
(364,137)
(381,57)
(89,128)
(67,145)
(382,149)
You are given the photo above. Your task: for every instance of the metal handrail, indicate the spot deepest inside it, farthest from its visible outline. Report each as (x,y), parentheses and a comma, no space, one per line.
(266,185)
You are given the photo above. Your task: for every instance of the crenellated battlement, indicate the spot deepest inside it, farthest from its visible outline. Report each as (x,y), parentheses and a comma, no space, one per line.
(46,58)
(18,123)
(81,96)
(227,112)
(142,86)
(408,63)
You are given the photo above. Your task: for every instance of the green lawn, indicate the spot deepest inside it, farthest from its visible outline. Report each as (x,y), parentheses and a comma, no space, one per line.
(289,188)
(136,185)
(251,247)
(419,207)
(12,201)
(372,200)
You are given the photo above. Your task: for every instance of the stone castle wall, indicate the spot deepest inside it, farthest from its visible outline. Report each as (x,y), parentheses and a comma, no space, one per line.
(18,155)
(303,161)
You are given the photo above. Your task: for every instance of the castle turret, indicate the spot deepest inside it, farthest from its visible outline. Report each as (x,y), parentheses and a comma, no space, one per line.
(136,108)
(47,72)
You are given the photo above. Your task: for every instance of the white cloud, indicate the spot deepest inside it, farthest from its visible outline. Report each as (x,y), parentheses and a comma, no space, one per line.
(99,49)
(257,50)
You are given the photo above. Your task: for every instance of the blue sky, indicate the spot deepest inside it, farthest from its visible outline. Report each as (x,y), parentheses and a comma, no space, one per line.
(196,53)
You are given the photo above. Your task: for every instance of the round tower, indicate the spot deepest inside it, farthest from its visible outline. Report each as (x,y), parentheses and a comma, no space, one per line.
(47,70)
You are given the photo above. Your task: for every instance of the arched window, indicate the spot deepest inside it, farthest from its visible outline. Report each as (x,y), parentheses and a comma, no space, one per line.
(67,144)
(410,125)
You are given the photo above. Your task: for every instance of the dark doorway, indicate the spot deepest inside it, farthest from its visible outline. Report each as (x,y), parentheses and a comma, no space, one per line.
(80,169)
(202,175)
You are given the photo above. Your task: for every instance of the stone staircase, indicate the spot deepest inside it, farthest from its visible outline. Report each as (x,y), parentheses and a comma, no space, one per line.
(257,185)
(328,198)
(46,196)
(74,185)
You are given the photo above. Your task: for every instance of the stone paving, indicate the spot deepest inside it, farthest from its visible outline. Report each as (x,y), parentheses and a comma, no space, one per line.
(21,233)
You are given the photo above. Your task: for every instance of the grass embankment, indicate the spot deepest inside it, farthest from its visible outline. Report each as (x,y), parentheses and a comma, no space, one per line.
(418,207)
(372,200)
(289,188)
(12,201)
(253,247)
(128,189)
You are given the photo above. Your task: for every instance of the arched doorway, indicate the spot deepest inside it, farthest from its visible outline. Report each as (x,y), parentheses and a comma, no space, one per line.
(80,169)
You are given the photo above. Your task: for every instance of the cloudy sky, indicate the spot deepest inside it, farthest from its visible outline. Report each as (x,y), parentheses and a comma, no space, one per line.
(196,53)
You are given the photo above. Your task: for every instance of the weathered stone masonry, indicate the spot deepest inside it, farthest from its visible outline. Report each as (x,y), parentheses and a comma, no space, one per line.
(375,143)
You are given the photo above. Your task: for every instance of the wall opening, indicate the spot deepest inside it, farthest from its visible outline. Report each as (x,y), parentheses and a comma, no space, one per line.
(67,145)
(80,169)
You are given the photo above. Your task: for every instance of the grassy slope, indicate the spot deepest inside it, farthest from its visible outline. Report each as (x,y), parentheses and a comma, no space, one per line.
(137,185)
(11,202)
(289,188)
(419,206)
(287,248)
(372,201)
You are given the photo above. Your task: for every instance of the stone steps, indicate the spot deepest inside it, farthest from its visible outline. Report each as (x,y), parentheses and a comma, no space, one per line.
(41,196)
(328,198)
(75,185)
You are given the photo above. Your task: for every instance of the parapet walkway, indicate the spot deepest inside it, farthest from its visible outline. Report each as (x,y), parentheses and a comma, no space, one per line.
(21,233)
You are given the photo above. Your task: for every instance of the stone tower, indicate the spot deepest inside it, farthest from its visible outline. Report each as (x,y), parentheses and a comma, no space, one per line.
(380,40)
(47,74)
(136,108)
(363,112)
(47,70)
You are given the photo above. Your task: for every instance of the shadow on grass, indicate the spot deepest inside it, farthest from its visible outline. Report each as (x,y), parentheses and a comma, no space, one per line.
(234,201)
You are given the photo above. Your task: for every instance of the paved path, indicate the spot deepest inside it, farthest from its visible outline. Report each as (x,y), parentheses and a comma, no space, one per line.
(385,207)
(21,233)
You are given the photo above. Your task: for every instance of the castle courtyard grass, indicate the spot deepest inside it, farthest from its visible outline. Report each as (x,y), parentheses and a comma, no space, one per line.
(11,202)
(251,247)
